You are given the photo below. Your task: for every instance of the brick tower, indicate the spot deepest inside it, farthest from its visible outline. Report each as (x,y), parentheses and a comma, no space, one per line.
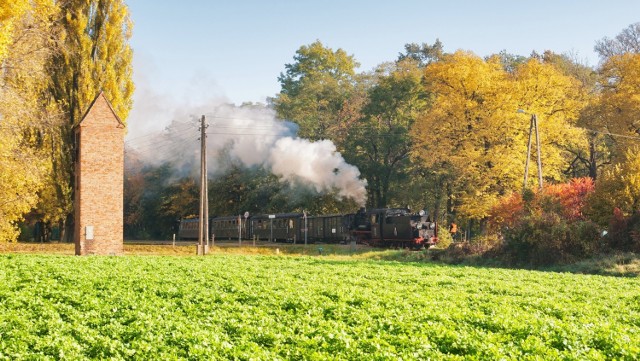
(99,177)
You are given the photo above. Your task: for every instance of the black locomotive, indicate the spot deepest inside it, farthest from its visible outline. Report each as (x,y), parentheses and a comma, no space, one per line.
(382,227)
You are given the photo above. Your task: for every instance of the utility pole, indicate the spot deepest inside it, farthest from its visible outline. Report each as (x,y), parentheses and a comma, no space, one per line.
(305,227)
(534,119)
(203,235)
(533,124)
(526,164)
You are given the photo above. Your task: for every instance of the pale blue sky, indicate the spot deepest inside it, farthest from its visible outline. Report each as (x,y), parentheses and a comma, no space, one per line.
(194,50)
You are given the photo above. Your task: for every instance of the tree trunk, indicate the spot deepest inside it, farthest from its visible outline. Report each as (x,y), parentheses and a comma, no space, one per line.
(449,199)
(593,162)
(67,230)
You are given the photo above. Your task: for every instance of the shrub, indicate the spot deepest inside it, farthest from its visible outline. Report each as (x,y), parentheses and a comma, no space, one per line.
(624,232)
(444,238)
(463,251)
(547,227)
(550,239)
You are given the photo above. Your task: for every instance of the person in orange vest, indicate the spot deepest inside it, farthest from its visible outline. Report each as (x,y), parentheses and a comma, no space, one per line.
(453,229)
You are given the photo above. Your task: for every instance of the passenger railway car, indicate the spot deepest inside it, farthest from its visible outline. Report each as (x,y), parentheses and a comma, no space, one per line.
(382,227)
(231,227)
(189,228)
(334,228)
(284,227)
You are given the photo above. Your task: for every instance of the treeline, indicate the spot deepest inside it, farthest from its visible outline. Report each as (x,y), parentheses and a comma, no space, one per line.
(444,132)
(55,57)
(449,133)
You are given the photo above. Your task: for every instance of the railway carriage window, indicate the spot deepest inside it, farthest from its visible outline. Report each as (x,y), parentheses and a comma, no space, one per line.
(389,220)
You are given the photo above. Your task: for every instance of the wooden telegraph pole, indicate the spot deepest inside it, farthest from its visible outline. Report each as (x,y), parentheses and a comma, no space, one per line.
(526,164)
(533,125)
(534,119)
(203,235)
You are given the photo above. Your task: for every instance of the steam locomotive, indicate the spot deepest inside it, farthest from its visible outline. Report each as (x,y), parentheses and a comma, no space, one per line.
(381,227)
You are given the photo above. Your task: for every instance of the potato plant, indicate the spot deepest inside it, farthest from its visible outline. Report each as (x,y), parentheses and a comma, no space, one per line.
(307,308)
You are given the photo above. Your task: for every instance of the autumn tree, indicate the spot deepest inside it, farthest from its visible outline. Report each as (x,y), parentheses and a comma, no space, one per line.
(547,226)
(314,89)
(474,136)
(11,15)
(556,98)
(95,57)
(619,187)
(590,157)
(619,103)
(27,40)
(613,112)
(463,134)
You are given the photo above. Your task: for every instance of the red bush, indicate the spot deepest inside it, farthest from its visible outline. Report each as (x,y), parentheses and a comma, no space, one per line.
(571,196)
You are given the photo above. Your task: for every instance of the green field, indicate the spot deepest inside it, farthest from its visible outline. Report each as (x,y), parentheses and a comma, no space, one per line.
(283,307)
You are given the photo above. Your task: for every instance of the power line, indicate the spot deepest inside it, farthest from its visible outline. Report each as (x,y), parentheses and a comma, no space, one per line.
(612,134)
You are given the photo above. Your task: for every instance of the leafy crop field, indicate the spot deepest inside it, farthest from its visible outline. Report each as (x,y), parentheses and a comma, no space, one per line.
(280,307)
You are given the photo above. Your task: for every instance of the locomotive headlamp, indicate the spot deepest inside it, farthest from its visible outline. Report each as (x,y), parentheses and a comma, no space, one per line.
(432,226)
(422,212)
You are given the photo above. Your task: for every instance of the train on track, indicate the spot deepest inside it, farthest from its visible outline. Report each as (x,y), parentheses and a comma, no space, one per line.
(381,227)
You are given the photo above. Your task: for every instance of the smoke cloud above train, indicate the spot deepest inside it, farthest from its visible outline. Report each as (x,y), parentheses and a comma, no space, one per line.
(253,136)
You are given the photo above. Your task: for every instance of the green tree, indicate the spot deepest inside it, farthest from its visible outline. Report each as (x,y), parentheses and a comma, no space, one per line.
(424,53)
(155,200)
(510,61)
(380,142)
(95,57)
(314,89)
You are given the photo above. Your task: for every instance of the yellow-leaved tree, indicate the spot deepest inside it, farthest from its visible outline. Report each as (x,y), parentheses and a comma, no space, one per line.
(474,135)
(95,56)
(464,135)
(619,109)
(26,34)
(618,187)
(556,100)
(620,101)
(11,14)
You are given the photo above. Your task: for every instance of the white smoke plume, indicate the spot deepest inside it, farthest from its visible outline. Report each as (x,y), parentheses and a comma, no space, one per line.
(319,164)
(251,134)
